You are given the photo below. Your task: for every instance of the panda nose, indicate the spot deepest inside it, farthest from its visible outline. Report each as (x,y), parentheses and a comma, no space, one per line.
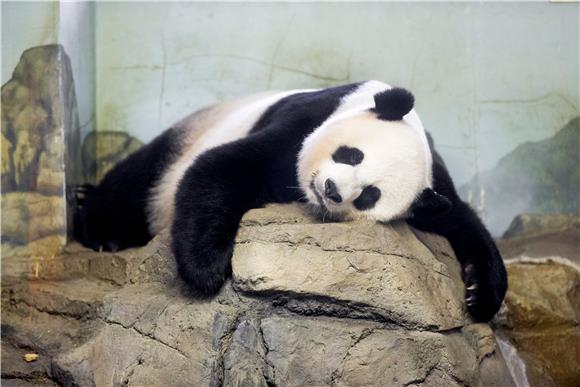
(331,191)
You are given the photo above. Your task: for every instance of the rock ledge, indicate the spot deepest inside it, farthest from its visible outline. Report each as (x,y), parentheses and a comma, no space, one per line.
(341,304)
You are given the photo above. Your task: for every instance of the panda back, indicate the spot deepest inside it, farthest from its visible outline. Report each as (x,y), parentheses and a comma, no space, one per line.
(199,132)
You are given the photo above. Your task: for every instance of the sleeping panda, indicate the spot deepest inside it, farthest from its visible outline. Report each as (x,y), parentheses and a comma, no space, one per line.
(352,151)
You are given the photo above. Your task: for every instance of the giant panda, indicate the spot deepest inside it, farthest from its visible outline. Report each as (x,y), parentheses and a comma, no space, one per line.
(351,151)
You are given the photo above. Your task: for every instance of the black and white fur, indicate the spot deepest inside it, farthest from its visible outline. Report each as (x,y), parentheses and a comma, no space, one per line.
(351,151)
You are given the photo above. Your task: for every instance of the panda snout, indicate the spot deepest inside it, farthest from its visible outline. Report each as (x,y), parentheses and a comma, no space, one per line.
(331,191)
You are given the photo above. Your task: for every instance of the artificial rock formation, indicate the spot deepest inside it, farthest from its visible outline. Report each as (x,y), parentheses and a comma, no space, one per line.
(102,150)
(40,136)
(542,317)
(542,320)
(341,304)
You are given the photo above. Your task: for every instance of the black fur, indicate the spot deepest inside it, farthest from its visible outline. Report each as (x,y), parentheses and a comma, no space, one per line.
(393,104)
(348,155)
(227,181)
(444,213)
(368,198)
(112,215)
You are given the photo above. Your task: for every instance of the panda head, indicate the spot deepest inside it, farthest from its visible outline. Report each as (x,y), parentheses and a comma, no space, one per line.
(370,163)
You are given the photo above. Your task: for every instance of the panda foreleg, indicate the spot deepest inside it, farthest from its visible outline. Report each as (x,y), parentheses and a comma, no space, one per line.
(483,270)
(210,201)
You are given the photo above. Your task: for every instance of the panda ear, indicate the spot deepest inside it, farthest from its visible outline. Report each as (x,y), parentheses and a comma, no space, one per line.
(393,104)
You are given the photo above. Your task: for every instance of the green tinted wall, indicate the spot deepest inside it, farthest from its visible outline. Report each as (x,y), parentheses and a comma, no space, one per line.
(487,76)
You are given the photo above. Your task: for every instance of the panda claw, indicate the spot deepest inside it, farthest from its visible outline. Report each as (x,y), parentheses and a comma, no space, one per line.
(472,287)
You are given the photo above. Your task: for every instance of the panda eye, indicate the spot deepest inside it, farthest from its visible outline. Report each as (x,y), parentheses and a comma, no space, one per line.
(348,155)
(368,198)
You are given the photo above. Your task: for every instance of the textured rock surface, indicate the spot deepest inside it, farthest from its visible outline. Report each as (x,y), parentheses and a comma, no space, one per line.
(538,236)
(29,216)
(124,319)
(40,135)
(537,224)
(383,271)
(102,150)
(542,320)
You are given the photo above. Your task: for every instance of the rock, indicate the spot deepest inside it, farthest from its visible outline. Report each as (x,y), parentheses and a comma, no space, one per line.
(102,150)
(73,298)
(542,318)
(344,353)
(245,362)
(17,371)
(38,118)
(535,224)
(150,337)
(271,325)
(543,294)
(29,216)
(40,135)
(538,236)
(492,366)
(380,270)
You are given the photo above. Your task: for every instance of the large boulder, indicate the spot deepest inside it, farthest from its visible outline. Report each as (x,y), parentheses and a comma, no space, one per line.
(542,315)
(542,319)
(343,304)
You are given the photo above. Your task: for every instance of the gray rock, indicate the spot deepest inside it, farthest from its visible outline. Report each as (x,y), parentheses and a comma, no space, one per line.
(540,236)
(537,224)
(150,335)
(382,269)
(245,361)
(348,304)
(346,353)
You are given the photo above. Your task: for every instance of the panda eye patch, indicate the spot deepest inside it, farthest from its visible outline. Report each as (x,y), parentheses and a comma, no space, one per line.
(347,155)
(368,198)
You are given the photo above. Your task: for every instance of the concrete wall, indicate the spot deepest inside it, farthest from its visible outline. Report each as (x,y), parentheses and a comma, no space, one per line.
(26,25)
(487,77)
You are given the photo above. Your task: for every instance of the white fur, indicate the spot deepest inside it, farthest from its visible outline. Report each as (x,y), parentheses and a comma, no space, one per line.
(225,124)
(397,158)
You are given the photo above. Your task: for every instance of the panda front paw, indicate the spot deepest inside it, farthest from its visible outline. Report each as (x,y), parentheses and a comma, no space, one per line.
(205,272)
(482,298)
(430,204)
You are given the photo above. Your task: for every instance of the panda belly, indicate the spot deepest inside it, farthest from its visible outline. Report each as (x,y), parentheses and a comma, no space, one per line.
(201,131)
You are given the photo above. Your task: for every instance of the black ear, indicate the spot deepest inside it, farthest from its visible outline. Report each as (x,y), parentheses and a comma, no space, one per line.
(393,104)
